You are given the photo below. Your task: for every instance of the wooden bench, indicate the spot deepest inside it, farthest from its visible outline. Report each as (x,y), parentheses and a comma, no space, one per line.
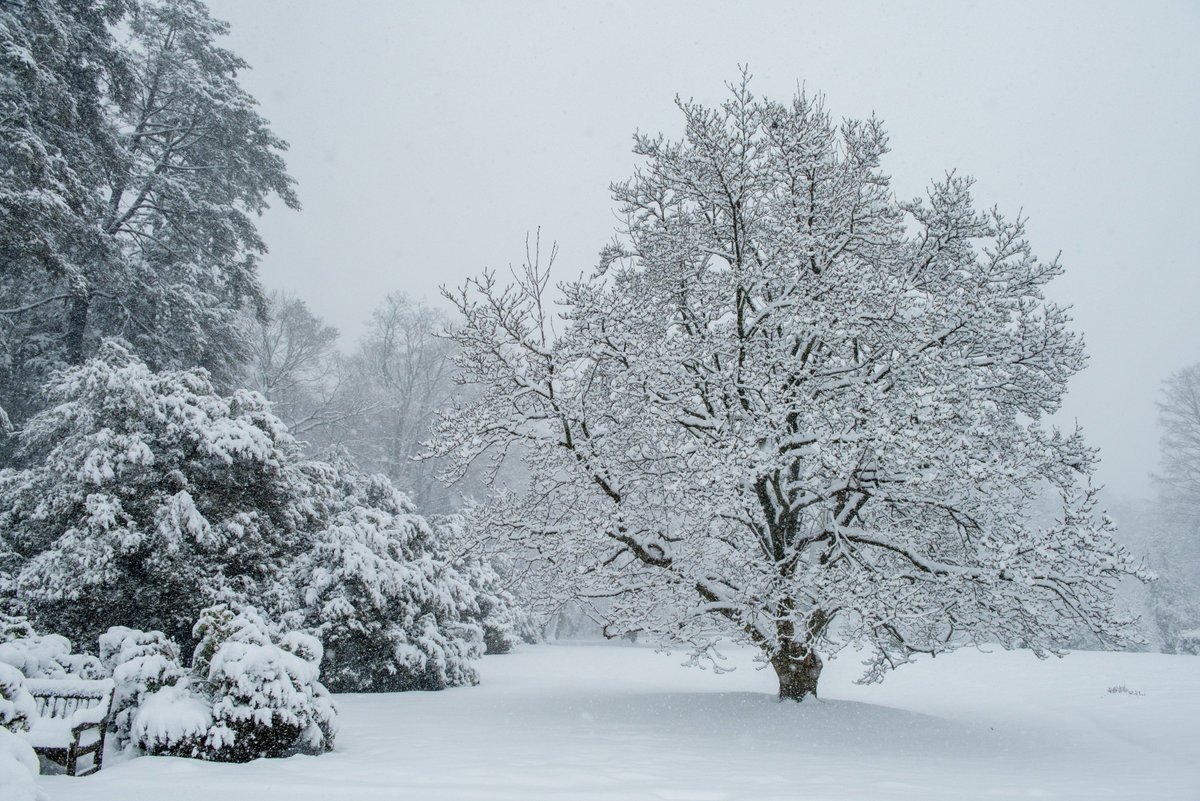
(72,720)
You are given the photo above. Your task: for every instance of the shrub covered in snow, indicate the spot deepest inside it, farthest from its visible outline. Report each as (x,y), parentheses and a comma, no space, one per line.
(43,656)
(392,614)
(18,768)
(172,721)
(141,664)
(266,696)
(248,694)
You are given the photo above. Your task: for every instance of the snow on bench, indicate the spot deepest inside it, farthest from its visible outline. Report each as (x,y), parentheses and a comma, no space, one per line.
(72,720)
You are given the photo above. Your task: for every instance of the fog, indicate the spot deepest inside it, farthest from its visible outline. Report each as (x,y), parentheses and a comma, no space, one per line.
(427,139)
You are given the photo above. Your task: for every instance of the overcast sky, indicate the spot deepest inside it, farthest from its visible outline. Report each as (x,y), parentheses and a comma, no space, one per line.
(427,138)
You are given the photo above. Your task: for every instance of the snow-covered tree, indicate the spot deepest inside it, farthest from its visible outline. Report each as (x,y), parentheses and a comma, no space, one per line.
(131,173)
(1179,416)
(150,497)
(404,369)
(504,621)
(61,68)
(392,614)
(791,408)
(153,497)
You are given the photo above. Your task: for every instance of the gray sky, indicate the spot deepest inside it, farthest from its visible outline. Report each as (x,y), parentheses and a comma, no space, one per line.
(427,138)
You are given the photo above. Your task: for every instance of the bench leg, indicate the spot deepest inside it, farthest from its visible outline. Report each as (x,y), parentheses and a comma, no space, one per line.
(98,756)
(97,752)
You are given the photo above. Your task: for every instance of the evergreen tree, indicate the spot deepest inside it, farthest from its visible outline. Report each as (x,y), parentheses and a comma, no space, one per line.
(154,497)
(151,497)
(131,171)
(393,615)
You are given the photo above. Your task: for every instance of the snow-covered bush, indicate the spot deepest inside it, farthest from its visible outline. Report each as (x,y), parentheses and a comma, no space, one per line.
(266,699)
(18,763)
(141,664)
(392,615)
(248,693)
(149,496)
(43,656)
(172,721)
(17,707)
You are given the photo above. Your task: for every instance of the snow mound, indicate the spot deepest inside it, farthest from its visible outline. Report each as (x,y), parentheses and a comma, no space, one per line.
(18,768)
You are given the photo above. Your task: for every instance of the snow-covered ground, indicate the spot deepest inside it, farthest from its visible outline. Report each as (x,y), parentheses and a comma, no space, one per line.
(604,722)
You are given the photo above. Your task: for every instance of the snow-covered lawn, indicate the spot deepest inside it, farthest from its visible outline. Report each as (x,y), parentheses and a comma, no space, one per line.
(593,722)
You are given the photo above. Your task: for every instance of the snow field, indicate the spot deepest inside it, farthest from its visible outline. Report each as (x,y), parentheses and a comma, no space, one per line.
(613,723)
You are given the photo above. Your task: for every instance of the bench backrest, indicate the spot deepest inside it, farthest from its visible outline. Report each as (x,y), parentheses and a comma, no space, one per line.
(62,698)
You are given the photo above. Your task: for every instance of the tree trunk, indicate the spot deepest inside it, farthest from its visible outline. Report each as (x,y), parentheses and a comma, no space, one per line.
(798,670)
(77,315)
(796,662)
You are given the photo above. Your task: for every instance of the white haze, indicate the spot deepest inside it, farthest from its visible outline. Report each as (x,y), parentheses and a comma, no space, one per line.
(428,138)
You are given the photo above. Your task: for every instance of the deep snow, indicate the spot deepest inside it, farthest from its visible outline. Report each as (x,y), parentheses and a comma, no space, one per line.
(605,722)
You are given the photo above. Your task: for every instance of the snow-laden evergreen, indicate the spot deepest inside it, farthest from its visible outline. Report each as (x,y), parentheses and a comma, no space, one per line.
(392,614)
(132,167)
(151,497)
(266,696)
(141,663)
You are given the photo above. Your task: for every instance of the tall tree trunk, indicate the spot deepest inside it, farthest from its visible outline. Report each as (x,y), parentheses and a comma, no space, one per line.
(77,316)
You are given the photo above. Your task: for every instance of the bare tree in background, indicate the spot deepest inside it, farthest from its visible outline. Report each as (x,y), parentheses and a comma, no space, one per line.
(406,371)
(377,403)
(295,363)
